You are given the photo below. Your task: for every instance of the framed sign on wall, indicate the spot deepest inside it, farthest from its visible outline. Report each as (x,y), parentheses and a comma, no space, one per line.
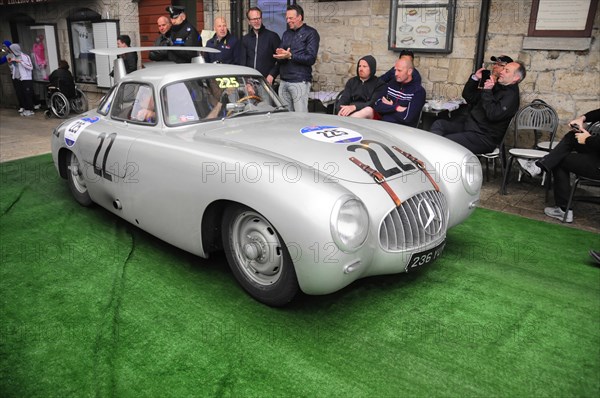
(552,18)
(422,25)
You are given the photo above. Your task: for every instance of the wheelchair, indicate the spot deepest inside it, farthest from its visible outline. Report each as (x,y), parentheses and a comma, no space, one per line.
(60,106)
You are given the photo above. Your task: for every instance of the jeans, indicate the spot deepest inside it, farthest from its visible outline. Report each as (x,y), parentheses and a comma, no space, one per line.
(295,95)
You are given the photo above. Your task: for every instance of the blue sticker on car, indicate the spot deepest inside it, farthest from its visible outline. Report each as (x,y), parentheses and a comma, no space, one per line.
(75,128)
(331,134)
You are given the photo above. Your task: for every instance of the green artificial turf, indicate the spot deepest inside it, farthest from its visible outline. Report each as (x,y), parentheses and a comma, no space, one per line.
(93,306)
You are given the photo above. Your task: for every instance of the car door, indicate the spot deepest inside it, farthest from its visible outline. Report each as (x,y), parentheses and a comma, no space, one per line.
(107,138)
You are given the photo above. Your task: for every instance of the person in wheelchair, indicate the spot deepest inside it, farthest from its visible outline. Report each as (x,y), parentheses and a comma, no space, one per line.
(61,79)
(62,95)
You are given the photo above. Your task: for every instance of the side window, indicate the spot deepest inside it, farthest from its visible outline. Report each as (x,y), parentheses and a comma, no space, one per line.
(179,101)
(135,102)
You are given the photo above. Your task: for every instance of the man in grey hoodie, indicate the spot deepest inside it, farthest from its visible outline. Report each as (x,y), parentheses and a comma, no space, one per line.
(21,69)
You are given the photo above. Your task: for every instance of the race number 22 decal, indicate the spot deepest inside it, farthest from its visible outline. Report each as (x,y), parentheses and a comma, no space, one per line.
(364,144)
(101,171)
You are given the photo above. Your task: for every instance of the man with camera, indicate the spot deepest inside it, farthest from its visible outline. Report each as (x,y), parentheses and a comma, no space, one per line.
(499,63)
(492,105)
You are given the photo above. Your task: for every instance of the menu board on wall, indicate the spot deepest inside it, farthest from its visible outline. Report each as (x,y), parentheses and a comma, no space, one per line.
(425,25)
(553,15)
(558,18)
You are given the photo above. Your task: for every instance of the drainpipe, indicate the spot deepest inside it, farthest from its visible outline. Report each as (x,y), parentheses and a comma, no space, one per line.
(483,26)
(237,19)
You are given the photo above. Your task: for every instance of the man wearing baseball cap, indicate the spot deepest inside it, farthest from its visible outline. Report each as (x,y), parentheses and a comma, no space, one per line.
(499,64)
(183,33)
(490,110)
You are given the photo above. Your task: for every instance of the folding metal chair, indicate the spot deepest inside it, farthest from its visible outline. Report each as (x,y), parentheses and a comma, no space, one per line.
(531,124)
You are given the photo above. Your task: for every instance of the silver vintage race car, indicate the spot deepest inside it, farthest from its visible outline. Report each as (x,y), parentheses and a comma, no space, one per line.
(205,157)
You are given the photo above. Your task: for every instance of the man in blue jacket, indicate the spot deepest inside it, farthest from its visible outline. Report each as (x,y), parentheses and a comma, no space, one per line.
(295,58)
(259,44)
(224,41)
(403,101)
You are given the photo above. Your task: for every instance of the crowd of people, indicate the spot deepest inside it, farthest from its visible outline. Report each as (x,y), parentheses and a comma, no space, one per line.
(290,58)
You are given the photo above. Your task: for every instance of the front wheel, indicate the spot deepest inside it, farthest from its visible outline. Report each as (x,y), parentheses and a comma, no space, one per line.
(77,183)
(258,257)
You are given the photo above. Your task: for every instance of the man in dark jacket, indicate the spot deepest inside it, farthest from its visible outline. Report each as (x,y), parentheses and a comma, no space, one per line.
(361,90)
(491,110)
(129,59)
(295,58)
(259,44)
(182,34)
(163,39)
(225,42)
(578,152)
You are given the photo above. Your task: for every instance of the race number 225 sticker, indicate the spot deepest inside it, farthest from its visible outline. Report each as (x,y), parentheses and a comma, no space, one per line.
(331,134)
(75,128)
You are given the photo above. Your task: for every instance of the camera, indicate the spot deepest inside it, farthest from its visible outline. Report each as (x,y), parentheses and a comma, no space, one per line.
(485,75)
(574,126)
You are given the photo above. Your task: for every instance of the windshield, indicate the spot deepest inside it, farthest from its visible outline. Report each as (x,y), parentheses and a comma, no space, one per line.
(217,97)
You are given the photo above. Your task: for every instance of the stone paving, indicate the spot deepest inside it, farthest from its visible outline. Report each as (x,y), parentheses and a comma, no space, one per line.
(28,136)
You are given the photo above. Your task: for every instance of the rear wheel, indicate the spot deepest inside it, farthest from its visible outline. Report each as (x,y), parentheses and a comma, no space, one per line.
(77,183)
(60,105)
(79,104)
(258,256)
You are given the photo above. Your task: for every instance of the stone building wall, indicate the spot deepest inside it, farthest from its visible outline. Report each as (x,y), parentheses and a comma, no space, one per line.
(568,80)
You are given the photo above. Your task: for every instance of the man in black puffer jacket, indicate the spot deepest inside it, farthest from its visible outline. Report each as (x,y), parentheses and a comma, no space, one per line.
(492,108)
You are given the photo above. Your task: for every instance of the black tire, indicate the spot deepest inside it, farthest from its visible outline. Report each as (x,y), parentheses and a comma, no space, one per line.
(76,180)
(79,104)
(60,105)
(258,256)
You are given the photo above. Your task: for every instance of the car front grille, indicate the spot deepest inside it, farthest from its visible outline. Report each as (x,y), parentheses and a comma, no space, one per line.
(418,221)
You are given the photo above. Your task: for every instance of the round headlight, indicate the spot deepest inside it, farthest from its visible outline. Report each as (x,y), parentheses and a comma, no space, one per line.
(472,176)
(349,223)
